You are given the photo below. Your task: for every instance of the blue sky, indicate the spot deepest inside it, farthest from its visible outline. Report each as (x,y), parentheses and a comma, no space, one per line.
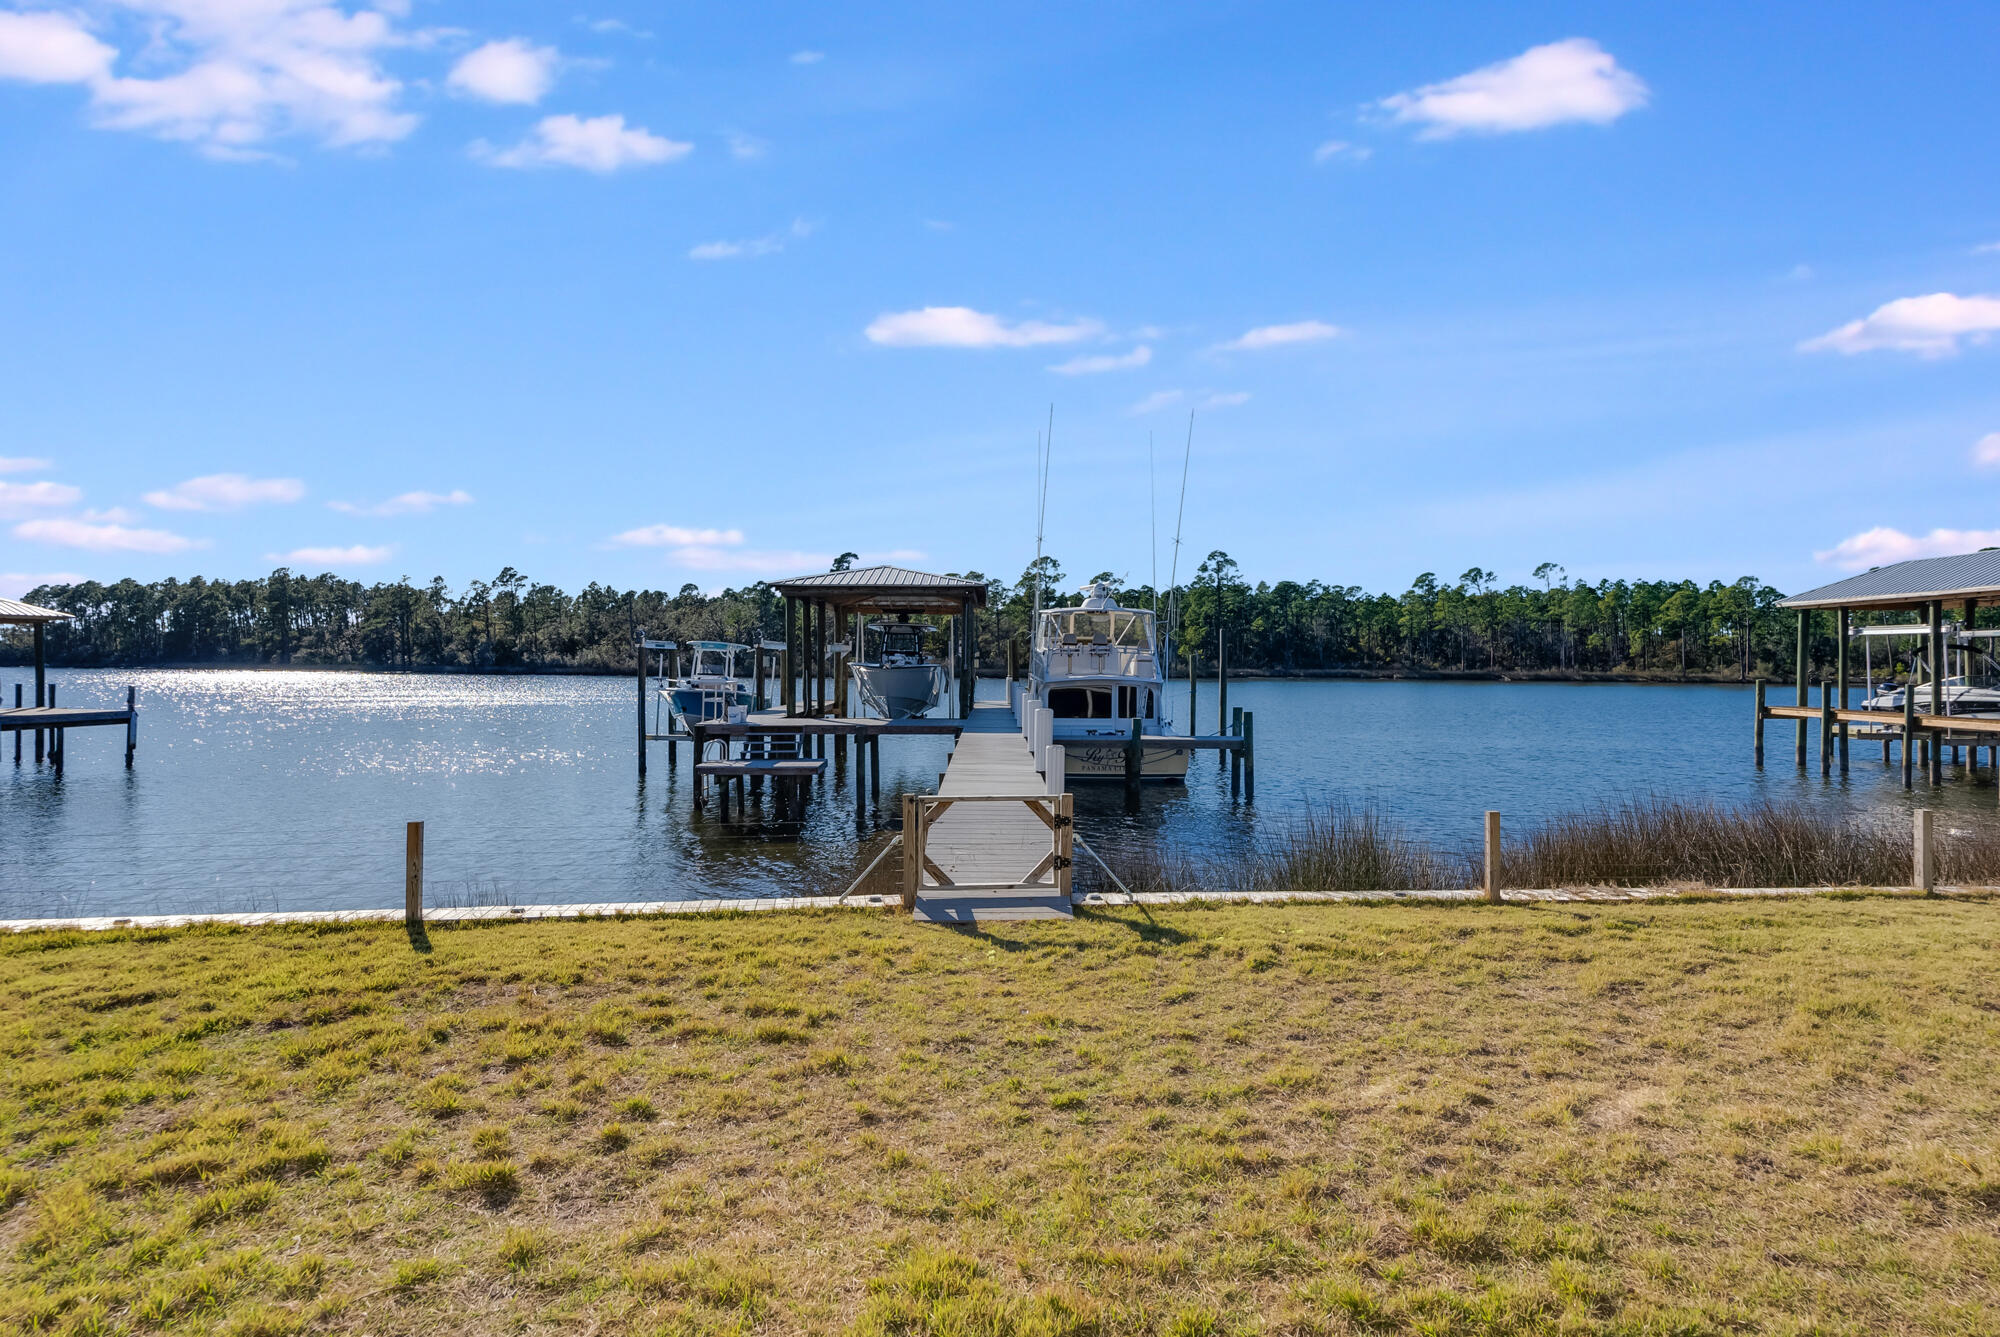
(648,294)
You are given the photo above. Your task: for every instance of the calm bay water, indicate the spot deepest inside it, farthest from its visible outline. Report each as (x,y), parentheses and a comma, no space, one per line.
(289,790)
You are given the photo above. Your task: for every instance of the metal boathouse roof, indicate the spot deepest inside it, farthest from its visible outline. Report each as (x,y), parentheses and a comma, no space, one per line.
(1972,575)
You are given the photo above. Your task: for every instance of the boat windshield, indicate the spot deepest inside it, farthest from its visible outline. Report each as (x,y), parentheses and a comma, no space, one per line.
(1128,628)
(901,641)
(713,663)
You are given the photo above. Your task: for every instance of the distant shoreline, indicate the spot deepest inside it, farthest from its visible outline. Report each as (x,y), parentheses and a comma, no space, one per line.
(1248,675)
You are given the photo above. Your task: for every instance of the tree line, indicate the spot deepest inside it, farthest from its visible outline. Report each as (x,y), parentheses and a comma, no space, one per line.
(1550,624)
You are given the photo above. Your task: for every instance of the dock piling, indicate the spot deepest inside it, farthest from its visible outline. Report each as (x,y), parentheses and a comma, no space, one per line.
(1909,734)
(1235,759)
(413,874)
(131,724)
(1799,680)
(1757,732)
(1134,757)
(1249,754)
(1825,728)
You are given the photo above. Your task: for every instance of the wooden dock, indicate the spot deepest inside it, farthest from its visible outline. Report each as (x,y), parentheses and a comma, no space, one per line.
(49,724)
(992,843)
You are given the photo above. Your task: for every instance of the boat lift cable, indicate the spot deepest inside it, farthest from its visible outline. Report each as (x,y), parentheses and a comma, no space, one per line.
(1084,845)
(894,841)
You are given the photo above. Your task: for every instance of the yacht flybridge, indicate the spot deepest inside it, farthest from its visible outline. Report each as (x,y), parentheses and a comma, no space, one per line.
(713,689)
(1097,668)
(898,682)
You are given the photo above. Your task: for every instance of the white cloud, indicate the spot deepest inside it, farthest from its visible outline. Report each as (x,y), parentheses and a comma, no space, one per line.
(18,499)
(599,144)
(675,536)
(104,538)
(1800,273)
(1278,336)
(1087,366)
(769,244)
(1882,545)
(616,26)
(16,584)
(22,464)
(1226,399)
(112,515)
(1572,80)
(962,327)
(1159,399)
(1930,326)
(512,71)
(358,555)
(807,57)
(746,147)
(232,74)
(1986,451)
(1340,148)
(225,492)
(46,48)
(406,503)
(1987,248)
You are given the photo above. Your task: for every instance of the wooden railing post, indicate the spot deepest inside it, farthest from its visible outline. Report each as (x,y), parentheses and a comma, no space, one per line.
(913,849)
(1492,887)
(1924,852)
(413,874)
(1065,841)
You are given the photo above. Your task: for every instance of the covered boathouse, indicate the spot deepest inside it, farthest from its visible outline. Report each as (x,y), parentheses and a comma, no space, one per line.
(1943,594)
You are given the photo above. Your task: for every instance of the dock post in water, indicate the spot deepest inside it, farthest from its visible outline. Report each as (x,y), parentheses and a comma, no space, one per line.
(1134,755)
(1757,731)
(1825,727)
(1936,767)
(1192,702)
(413,874)
(1249,753)
(131,724)
(1492,886)
(1235,730)
(17,732)
(642,702)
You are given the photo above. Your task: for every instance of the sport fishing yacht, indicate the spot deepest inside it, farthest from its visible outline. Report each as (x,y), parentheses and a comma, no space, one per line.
(1097,668)
(899,682)
(713,689)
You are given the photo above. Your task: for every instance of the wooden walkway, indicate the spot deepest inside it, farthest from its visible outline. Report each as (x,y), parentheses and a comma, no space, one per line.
(988,843)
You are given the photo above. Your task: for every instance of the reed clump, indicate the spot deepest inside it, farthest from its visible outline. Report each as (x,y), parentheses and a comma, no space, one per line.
(1651,842)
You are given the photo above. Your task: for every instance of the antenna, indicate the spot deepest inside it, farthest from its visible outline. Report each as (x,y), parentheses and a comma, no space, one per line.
(1173,579)
(1153,518)
(1044,448)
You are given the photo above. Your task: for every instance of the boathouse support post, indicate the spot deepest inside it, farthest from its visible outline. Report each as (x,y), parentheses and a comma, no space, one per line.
(1826,727)
(413,874)
(1845,630)
(1799,677)
(757,671)
(1757,730)
(788,667)
(1492,861)
(1923,851)
(41,680)
(1909,733)
(17,732)
(1937,687)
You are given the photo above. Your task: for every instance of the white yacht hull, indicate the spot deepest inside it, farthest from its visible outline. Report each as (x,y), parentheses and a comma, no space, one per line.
(1104,759)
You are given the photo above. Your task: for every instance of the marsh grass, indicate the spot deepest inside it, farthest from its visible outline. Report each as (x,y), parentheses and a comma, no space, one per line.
(1639,843)
(1676,1117)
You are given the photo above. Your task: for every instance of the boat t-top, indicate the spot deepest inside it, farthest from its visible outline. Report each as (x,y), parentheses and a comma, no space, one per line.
(1973,690)
(713,690)
(898,681)
(1097,668)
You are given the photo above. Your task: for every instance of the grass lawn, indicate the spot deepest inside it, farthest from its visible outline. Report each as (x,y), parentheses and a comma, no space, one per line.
(1669,1118)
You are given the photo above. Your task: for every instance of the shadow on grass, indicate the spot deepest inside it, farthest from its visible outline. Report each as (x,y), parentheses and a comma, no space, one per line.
(1138,919)
(420,938)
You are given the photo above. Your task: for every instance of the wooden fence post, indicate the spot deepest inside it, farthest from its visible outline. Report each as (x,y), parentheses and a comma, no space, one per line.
(1924,850)
(1492,887)
(1065,806)
(413,875)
